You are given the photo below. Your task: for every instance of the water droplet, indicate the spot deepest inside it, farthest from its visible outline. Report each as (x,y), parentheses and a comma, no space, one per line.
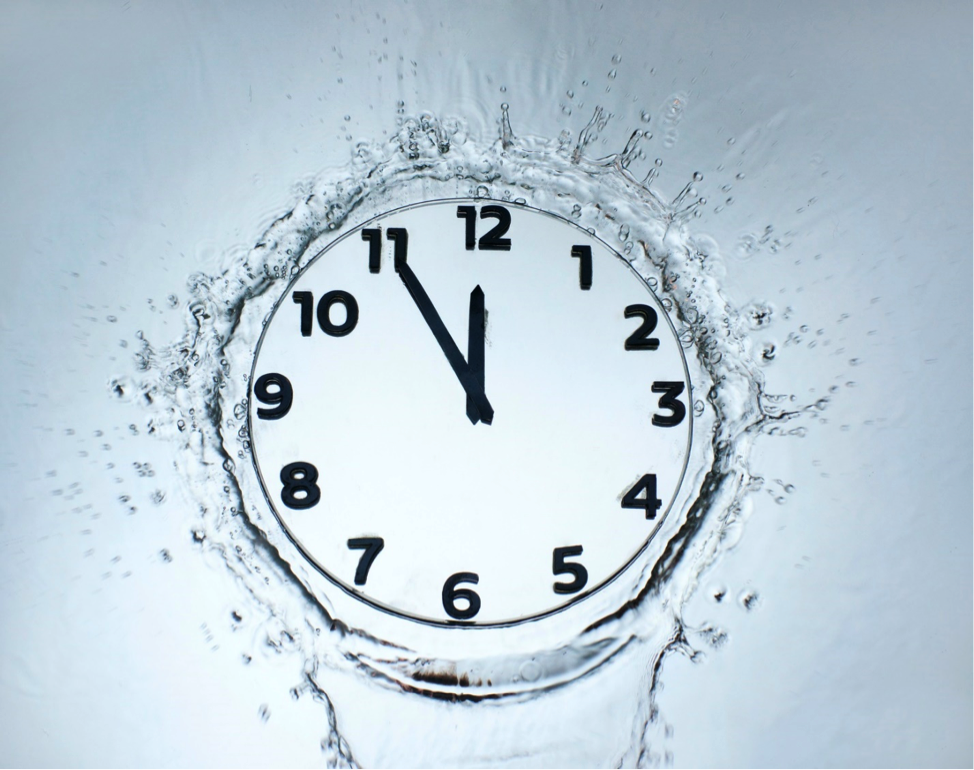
(644,116)
(531,671)
(749,599)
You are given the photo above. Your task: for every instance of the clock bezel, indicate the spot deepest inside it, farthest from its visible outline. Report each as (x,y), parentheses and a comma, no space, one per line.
(575,599)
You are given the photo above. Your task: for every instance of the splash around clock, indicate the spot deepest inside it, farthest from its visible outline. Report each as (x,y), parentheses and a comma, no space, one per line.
(546,612)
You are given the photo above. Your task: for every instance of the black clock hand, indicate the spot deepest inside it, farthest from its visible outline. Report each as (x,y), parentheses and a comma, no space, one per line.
(469,375)
(475,347)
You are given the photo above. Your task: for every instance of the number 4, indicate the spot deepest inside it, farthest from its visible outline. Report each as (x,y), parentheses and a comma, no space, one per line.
(650,503)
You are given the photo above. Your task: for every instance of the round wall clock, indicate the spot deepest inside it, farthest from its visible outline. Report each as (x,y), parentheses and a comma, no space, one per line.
(469,414)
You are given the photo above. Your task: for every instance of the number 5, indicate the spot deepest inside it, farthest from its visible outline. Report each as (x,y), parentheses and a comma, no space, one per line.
(560,567)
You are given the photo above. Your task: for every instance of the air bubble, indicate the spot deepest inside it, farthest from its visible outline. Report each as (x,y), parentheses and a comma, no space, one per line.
(530,671)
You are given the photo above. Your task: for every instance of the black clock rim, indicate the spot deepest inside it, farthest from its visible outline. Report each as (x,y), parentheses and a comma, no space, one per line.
(467,624)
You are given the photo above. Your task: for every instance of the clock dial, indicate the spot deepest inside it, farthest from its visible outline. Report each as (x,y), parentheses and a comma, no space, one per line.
(469,412)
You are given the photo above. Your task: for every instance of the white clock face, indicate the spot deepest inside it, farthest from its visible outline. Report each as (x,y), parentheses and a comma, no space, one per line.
(469,412)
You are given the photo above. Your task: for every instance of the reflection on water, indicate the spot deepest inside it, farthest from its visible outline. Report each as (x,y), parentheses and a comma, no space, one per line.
(194,390)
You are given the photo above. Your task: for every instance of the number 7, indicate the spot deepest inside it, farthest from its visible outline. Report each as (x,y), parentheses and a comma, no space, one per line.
(371,546)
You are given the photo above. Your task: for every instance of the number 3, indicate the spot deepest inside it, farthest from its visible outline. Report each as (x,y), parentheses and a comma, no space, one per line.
(668,400)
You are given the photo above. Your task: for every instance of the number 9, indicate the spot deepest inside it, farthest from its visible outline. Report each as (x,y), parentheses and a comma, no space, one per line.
(282,397)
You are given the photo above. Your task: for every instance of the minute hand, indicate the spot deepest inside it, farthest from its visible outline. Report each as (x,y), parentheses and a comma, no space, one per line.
(468,379)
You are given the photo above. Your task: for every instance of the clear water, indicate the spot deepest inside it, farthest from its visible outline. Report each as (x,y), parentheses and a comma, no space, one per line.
(795,182)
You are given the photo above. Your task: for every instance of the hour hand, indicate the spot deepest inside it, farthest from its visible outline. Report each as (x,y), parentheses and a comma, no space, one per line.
(471,376)
(476,332)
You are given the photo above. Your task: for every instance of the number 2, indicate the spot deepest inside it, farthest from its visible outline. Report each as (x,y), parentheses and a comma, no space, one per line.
(640,339)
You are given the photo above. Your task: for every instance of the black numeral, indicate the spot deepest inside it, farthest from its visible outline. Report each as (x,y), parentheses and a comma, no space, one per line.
(282,397)
(469,214)
(306,300)
(560,567)
(337,297)
(650,503)
(374,237)
(451,593)
(668,400)
(401,238)
(493,239)
(640,339)
(371,547)
(300,478)
(584,253)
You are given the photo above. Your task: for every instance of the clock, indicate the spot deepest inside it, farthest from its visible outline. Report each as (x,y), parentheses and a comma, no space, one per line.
(468,414)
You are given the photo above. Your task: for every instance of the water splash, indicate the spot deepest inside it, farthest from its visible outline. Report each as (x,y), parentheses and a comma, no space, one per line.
(194,391)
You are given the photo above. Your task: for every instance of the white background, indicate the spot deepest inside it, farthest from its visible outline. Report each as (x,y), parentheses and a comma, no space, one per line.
(144,142)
